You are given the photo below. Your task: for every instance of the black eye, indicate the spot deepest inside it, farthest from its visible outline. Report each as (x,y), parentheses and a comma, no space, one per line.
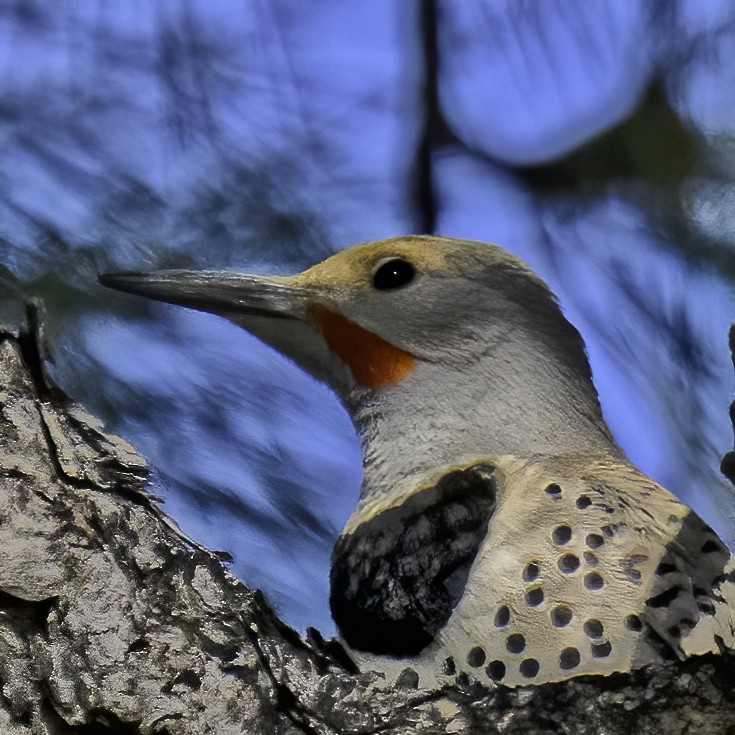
(393,274)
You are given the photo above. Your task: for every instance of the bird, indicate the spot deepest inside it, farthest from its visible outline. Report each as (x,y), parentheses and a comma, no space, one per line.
(501,535)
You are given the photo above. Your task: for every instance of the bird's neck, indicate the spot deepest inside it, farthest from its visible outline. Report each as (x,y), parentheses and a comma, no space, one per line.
(508,401)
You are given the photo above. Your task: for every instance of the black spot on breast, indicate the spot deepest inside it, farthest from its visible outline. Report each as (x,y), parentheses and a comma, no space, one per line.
(561,535)
(601,650)
(569,658)
(568,563)
(396,579)
(496,670)
(594,628)
(594,581)
(502,616)
(515,643)
(529,668)
(476,657)
(561,616)
(534,597)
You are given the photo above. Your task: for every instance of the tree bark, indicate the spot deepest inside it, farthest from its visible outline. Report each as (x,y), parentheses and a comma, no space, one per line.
(113,621)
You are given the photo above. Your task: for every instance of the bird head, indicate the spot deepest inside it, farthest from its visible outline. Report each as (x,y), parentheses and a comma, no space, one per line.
(368,318)
(443,351)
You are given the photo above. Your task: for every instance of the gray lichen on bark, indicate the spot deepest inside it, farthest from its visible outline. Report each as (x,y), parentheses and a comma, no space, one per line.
(112,621)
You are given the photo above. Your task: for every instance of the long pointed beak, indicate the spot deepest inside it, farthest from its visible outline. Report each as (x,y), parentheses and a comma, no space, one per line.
(276,309)
(218,292)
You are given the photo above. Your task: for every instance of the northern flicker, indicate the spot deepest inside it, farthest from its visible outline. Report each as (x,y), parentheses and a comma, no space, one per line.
(501,533)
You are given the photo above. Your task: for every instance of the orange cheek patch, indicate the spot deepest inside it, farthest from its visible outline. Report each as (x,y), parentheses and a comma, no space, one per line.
(374,363)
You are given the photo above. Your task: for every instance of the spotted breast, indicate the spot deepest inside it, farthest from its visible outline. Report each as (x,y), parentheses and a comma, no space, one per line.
(591,592)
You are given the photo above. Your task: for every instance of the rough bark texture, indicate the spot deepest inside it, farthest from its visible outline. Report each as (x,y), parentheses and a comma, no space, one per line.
(112,621)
